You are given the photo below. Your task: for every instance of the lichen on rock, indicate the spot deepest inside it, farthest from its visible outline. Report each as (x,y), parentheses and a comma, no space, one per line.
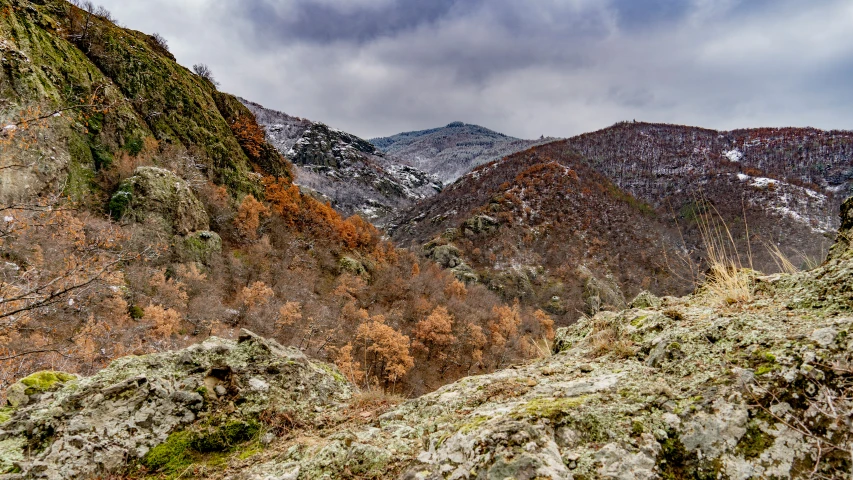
(159,197)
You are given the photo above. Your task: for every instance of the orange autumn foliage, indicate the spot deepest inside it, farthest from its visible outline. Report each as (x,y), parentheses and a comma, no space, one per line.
(306,213)
(249,135)
(436,330)
(388,347)
(249,217)
(350,367)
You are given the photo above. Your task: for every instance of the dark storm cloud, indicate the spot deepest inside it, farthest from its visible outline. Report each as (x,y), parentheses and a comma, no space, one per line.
(649,14)
(326,22)
(554,67)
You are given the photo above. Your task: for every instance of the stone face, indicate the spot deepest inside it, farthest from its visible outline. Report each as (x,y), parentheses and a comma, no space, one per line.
(157,196)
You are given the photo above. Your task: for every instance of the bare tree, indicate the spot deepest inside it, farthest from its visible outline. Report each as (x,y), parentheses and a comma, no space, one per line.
(160,41)
(205,72)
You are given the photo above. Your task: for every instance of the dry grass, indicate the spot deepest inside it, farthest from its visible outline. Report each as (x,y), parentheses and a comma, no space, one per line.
(726,282)
(543,348)
(783,262)
(606,338)
(374,399)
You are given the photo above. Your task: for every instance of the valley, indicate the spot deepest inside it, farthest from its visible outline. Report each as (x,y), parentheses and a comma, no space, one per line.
(196,285)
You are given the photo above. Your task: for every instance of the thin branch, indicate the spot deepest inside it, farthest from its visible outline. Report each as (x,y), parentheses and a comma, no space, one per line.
(33,352)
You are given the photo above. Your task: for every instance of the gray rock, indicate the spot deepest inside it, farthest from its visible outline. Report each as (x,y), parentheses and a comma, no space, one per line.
(159,197)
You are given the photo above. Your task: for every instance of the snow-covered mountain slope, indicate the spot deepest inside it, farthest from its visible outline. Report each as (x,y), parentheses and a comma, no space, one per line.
(348,171)
(451,151)
(773,188)
(797,174)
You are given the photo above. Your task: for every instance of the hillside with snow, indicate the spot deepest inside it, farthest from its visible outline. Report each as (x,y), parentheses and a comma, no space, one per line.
(344,169)
(451,151)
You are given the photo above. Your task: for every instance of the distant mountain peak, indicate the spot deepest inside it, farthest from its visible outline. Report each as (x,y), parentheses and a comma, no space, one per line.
(453,150)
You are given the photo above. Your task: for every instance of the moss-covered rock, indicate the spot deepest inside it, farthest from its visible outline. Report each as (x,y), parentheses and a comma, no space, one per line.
(19,393)
(197,246)
(352,266)
(160,198)
(149,409)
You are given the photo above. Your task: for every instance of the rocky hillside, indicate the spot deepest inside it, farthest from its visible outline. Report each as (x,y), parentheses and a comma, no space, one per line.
(347,170)
(704,386)
(770,191)
(452,151)
(543,226)
(142,210)
(797,176)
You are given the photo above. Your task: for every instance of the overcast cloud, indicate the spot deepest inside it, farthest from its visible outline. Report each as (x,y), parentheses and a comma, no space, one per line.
(525,68)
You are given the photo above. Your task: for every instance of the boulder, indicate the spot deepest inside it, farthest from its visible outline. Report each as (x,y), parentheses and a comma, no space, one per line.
(448,256)
(154,408)
(197,246)
(158,196)
(480,224)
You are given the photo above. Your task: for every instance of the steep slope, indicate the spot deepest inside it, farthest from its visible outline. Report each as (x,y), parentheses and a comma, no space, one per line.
(142,210)
(794,178)
(541,225)
(688,387)
(769,191)
(451,151)
(349,171)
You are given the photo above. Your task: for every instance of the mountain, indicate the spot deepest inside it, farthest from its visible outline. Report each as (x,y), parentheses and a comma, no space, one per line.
(142,210)
(451,151)
(764,192)
(347,170)
(691,387)
(544,227)
(792,179)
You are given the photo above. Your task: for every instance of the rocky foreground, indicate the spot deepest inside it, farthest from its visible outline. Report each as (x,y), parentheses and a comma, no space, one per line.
(703,386)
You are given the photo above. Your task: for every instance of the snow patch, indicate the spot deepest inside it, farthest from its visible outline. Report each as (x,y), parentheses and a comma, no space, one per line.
(734,155)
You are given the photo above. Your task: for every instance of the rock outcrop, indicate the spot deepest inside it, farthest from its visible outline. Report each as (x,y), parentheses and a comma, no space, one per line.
(212,392)
(157,196)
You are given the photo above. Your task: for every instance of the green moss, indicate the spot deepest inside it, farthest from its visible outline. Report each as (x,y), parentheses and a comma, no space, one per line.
(473,424)
(676,462)
(172,456)
(101,156)
(637,428)
(6,414)
(333,372)
(80,169)
(552,408)
(136,312)
(210,445)
(120,201)
(249,452)
(765,369)
(754,442)
(45,381)
(134,146)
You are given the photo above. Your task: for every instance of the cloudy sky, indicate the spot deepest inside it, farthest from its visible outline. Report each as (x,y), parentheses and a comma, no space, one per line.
(525,68)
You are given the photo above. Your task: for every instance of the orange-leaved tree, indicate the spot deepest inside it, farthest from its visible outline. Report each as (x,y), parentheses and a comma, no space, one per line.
(386,348)
(249,217)
(435,332)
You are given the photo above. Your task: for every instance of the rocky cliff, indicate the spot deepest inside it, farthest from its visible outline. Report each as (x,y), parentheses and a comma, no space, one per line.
(704,386)
(344,169)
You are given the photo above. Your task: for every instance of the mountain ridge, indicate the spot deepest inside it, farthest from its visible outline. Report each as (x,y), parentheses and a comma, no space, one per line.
(451,151)
(346,170)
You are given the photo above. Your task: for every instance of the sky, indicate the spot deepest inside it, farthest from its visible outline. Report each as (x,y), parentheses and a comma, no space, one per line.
(524,68)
